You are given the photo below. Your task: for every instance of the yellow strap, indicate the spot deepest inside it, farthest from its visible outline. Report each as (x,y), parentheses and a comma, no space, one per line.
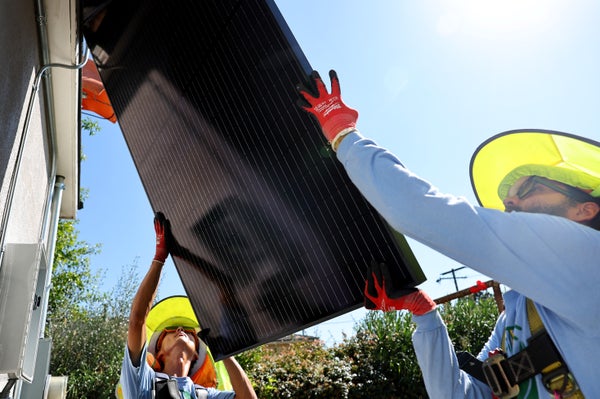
(535,326)
(535,323)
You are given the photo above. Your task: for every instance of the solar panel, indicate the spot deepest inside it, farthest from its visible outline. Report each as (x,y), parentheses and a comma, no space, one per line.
(273,235)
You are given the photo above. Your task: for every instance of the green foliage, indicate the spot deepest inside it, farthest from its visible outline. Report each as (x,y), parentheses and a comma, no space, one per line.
(89,349)
(300,370)
(73,284)
(88,338)
(92,127)
(88,327)
(382,358)
(470,322)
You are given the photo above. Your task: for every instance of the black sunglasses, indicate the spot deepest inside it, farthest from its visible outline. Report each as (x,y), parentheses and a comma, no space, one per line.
(528,186)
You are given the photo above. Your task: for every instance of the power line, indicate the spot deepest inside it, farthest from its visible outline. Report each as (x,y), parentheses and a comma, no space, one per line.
(454,277)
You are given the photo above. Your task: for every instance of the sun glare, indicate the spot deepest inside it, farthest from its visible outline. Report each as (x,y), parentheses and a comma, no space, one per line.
(499,18)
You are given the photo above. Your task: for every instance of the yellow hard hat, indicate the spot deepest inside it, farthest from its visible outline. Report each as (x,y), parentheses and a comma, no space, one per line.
(508,156)
(178,311)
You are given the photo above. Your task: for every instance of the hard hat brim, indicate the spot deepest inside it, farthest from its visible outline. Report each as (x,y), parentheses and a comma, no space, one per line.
(502,159)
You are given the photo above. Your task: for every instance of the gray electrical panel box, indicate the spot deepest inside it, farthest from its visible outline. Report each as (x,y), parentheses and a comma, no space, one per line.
(38,388)
(22,285)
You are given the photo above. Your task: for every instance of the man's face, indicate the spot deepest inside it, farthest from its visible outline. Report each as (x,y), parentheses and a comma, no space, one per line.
(527,195)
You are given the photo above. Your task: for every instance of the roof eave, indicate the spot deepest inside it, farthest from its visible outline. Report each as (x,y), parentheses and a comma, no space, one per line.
(64,44)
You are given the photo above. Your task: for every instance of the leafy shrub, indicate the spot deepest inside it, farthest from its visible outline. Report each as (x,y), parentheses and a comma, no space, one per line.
(300,370)
(382,358)
(89,350)
(470,322)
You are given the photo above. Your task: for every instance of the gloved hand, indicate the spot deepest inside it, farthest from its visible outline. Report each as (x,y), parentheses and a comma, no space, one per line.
(335,118)
(382,294)
(161,227)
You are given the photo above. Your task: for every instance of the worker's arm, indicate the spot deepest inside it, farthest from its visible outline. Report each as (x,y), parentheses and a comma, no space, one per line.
(434,350)
(144,297)
(239,380)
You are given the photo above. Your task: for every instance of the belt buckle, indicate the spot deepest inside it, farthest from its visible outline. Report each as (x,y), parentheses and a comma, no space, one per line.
(496,377)
(561,381)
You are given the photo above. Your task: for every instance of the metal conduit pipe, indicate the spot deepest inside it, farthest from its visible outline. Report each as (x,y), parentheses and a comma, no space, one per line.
(58,187)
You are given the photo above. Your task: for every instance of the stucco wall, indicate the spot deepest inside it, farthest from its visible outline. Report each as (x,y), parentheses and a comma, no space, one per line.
(20,61)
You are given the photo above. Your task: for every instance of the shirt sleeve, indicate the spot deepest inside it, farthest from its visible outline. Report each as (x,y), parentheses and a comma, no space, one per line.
(216,394)
(495,340)
(441,372)
(136,382)
(536,254)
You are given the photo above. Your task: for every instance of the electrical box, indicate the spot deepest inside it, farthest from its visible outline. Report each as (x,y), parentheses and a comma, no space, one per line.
(22,289)
(38,388)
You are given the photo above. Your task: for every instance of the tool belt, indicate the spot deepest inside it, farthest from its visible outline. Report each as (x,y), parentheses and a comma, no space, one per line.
(504,374)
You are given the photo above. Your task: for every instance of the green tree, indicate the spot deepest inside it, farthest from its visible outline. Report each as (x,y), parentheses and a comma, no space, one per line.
(74,286)
(88,349)
(87,326)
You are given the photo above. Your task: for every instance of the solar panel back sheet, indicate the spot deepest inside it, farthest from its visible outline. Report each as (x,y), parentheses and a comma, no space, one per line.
(272,235)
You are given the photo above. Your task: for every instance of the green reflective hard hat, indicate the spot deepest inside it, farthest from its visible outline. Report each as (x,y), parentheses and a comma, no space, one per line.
(508,156)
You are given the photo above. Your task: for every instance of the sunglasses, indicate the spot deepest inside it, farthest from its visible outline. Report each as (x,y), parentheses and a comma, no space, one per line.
(529,185)
(187,330)
(171,329)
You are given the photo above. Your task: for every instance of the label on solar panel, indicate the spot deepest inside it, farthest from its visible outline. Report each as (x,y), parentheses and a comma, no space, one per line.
(272,236)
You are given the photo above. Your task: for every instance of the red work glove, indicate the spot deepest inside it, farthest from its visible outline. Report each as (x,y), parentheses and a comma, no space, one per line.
(335,118)
(381,294)
(161,227)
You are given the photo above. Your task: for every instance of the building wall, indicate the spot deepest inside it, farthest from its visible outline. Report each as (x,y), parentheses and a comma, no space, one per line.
(20,61)
(19,43)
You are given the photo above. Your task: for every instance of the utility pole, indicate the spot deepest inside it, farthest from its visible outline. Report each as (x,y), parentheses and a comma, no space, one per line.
(453,272)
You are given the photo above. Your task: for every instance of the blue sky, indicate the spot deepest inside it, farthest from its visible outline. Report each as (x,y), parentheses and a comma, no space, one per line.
(431,81)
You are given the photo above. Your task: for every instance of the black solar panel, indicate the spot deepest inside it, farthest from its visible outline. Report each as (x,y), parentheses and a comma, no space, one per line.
(274,236)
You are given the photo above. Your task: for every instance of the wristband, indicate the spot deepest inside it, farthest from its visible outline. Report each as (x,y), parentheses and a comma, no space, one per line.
(340,136)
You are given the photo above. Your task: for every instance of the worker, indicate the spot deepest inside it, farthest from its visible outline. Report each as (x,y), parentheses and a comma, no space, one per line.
(165,362)
(545,247)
